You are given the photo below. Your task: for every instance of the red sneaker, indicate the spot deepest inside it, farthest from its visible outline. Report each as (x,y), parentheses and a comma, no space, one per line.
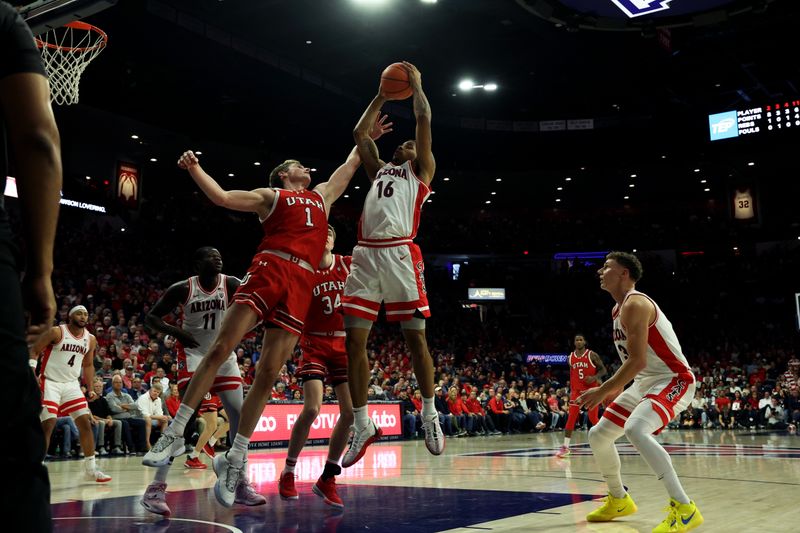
(286,486)
(327,491)
(209,450)
(195,463)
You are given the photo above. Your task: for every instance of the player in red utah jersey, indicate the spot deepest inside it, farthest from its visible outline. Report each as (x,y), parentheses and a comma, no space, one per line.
(70,349)
(585,371)
(275,291)
(323,354)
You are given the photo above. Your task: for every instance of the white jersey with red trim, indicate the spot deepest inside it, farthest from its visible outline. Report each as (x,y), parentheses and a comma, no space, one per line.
(664,355)
(63,360)
(203,313)
(393,205)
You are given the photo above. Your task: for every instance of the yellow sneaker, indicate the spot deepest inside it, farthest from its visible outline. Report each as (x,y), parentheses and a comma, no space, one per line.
(613,508)
(680,517)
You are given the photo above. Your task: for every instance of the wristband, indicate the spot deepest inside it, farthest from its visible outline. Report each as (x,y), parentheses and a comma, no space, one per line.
(32,363)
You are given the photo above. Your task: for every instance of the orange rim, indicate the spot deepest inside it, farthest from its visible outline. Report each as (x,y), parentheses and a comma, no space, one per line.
(77,25)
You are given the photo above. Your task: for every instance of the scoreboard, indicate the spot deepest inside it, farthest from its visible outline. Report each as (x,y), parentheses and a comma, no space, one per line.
(761,120)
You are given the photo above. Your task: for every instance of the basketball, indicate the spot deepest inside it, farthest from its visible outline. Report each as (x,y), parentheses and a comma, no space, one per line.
(394,82)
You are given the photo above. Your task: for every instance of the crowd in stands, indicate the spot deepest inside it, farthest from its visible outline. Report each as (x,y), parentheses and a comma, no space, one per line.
(747,367)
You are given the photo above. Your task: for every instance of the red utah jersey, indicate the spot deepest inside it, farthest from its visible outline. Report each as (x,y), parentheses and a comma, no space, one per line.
(325,313)
(297,224)
(580,368)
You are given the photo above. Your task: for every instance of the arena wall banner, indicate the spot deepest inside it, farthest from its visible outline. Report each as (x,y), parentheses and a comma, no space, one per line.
(274,428)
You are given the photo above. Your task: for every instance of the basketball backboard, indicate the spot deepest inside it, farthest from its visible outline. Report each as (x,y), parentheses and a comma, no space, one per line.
(44,15)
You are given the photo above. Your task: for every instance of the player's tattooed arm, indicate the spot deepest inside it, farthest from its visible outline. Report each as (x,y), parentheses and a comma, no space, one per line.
(362,134)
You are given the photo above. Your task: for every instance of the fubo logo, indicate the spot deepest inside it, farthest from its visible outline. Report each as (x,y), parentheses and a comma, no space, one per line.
(723,125)
(637,8)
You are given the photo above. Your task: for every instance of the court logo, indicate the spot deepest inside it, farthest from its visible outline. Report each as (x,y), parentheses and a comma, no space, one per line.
(723,125)
(637,8)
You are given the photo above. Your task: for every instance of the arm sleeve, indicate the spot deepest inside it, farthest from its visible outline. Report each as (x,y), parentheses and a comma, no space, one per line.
(20,53)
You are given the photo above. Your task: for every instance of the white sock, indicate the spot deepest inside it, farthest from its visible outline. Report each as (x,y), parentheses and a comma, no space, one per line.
(161,474)
(212,441)
(90,463)
(428,408)
(566,442)
(360,417)
(181,419)
(291,462)
(601,440)
(639,429)
(238,450)
(194,454)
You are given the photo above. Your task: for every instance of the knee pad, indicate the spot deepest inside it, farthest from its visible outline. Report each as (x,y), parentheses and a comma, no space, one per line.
(351,321)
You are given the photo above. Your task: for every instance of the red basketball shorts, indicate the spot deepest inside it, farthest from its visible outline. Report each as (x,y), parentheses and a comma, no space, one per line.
(323,356)
(278,290)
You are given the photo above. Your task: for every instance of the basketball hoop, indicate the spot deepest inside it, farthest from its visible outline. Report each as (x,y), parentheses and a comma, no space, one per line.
(66,51)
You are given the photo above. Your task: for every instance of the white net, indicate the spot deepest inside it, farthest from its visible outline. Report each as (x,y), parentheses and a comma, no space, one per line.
(66,51)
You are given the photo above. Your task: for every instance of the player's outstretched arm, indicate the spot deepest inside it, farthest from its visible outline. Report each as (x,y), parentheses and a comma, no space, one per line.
(426,164)
(365,144)
(255,201)
(51,336)
(635,315)
(36,146)
(175,295)
(340,179)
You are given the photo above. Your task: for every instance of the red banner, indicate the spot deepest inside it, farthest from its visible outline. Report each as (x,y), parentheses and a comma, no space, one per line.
(128,184)
(277,420)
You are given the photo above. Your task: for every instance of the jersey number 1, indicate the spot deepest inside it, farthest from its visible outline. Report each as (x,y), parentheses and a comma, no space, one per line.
(308,217)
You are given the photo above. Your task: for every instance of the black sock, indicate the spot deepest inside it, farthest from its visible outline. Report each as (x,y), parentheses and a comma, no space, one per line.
(330,470)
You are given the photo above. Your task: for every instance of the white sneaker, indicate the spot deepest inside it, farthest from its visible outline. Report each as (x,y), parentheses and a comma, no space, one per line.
(359,441)
(228,477)
(434,438)
(97,476)
(164,450)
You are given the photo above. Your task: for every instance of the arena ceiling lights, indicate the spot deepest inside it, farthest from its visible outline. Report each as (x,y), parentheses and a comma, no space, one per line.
(639,15)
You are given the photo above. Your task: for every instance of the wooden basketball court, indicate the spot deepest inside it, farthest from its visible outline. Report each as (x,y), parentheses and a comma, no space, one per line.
(741,481)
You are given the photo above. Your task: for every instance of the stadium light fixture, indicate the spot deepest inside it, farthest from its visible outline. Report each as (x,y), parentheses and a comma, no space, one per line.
(466,85)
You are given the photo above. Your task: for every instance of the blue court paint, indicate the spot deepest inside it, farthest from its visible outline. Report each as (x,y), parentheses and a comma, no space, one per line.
(368,508)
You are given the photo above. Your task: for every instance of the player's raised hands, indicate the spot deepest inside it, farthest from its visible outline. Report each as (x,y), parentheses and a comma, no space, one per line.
(188,160)
(380,127)
(414,75)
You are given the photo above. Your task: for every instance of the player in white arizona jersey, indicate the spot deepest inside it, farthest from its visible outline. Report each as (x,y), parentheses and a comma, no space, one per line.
(663,386)
(388,268)
(203,299)
(68,349)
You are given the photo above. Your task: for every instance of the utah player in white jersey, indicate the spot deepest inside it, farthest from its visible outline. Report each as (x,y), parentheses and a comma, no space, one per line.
(69,348)
(204,299)
(663,386)
(387,266)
